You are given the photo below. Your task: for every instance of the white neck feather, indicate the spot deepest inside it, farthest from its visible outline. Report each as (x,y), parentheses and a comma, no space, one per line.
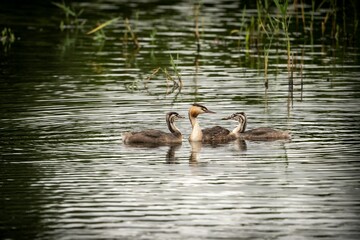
(196,134)
(240,128)
(237,129)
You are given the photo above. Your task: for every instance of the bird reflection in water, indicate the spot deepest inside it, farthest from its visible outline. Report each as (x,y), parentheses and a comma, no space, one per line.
(195,152)
(196,148)
(170,154)
(240,145)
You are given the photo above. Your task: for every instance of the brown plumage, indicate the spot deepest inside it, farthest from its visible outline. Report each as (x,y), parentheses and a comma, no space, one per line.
(152,136)
(217,134)
(262,133)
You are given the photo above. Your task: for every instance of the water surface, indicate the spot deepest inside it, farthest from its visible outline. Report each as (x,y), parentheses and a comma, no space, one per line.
(66,99)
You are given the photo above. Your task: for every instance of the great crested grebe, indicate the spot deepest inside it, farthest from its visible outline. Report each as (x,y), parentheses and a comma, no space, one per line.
(194,111)
(214,134)
(262,133)
(152,136)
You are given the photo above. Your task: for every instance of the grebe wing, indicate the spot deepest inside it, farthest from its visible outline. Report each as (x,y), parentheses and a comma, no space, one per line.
(147,136)
(152,133)
(215,133)
(261,131)
(264,133)
(217,130)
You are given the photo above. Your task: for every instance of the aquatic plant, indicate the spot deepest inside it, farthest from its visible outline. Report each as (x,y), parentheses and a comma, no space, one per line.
(271,29)
(174,66)
(169,77)
(312,22)
(132,34)
(285,22)
(153,35)
(356,20)
(101,26)
(196,20)
(339,22)
(72,19)
(99,30)
(239,31)
(7,38)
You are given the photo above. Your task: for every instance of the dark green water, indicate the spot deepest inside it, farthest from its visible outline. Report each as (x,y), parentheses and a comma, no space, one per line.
(66,99)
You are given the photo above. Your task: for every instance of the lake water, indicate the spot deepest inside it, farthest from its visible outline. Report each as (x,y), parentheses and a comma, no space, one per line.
(67,98)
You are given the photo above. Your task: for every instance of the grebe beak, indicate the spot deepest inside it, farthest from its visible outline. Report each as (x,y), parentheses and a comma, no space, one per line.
(208,111)
(226,118)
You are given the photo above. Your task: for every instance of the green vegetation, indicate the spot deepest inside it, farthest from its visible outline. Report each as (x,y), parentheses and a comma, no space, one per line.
(99,30)
(285,22)
(196,19)
(7,38)
(275,26)
(175,68)
(253,31)
(132,34)
(72,17)
(168,77)
(239,31)
(129,34)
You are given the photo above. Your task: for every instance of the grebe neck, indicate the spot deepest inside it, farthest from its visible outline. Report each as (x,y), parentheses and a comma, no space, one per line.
(172,127)
(196,134)
(241,127)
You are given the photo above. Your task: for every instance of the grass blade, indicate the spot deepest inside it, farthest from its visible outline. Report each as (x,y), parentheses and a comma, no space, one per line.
(101,26)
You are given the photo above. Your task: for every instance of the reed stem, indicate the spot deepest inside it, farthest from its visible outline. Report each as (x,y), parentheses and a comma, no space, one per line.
(133,36)
(196,19)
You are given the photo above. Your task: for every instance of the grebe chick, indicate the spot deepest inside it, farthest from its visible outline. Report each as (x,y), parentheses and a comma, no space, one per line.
(262,133)
(152,136)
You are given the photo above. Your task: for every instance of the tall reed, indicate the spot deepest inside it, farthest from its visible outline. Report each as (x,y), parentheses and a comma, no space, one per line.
(285,22)
(196,20)
(132,33)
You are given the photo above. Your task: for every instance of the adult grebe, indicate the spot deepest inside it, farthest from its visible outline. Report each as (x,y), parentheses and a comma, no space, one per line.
(207,135)
(194,111)
(153,136)
(261,133)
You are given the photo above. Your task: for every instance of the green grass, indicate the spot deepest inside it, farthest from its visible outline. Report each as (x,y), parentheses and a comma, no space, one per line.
(72,17)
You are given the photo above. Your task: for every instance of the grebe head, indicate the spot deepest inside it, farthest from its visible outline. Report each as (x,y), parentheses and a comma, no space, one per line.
(239,117)
(197,109)
(173,116)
